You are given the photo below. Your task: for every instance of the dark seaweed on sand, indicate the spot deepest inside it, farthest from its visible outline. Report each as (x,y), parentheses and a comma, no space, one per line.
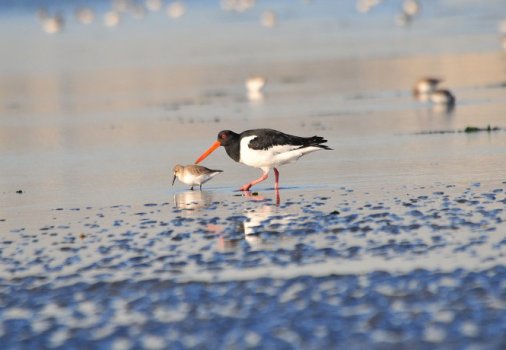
(467,130)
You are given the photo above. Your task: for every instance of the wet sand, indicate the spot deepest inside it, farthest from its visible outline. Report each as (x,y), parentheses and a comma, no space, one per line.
(396,236)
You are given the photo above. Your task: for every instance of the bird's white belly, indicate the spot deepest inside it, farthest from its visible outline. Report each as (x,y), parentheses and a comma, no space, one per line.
(273,156)
(194,180)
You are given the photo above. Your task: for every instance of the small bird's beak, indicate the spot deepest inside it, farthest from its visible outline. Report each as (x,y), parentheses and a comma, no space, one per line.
(208,152)
(173,180)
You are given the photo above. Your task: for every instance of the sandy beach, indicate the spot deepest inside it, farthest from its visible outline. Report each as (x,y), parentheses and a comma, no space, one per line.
(394,239)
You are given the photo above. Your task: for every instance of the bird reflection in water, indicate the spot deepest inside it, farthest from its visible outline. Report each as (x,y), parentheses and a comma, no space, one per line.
(445,109)
(256,97)
(257,222)
(192,200)
(261,228)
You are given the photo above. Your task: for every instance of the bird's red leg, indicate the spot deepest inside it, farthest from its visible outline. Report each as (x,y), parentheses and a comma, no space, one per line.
(254,182)
(276,186)
(276,182)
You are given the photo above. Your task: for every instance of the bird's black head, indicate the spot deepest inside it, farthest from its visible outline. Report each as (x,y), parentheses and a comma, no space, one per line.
(227,137)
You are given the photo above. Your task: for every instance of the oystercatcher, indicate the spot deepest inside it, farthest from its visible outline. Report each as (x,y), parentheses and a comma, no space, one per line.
(194,175)
(265,149)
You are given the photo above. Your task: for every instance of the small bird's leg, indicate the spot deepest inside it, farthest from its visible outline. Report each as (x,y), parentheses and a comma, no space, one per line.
(200,187)
(254,182)
(276,182)
(191,188)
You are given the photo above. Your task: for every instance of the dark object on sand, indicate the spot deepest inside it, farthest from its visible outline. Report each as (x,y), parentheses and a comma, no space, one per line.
(470,129)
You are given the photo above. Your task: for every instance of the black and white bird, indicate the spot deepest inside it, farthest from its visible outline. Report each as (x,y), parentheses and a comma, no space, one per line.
(265,149)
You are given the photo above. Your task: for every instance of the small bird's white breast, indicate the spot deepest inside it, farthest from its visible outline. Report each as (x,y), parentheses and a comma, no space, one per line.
(193,180)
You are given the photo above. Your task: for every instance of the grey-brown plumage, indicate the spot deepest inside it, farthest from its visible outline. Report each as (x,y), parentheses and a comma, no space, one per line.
(193,175)
(425,86)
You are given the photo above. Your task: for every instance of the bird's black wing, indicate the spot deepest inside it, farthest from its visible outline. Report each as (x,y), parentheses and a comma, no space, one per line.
(267,138)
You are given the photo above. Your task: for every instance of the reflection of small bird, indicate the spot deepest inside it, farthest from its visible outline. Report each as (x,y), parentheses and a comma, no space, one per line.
(194,175)
(193,200)
(265,149)
(442,97)
(424,87)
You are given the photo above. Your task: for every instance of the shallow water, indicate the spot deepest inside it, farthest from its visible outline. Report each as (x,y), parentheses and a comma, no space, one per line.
(393,239)
(423,266)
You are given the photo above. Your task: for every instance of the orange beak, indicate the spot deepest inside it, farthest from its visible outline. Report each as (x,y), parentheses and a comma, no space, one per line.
(208,152)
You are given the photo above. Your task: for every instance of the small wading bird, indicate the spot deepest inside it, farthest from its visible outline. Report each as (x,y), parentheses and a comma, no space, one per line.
(194,175)
(264,149)
(424,87)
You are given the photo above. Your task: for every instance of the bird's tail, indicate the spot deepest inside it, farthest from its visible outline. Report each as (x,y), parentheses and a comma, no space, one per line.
(316,141)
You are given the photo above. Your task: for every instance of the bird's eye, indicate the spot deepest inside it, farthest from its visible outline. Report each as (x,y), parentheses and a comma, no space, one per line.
(223,136)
